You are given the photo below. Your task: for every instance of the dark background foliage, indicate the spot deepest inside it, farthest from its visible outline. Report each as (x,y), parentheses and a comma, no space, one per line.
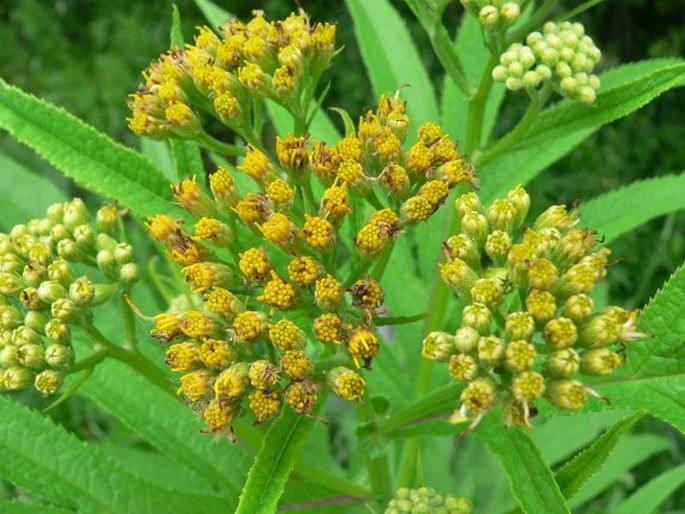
(86,55)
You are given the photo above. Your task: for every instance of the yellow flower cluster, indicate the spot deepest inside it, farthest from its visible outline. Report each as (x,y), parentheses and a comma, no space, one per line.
(283,284)
(41,294)
(220,74)
(528,330)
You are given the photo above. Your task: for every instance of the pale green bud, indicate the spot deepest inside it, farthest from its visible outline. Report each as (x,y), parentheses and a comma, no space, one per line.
(106,262)
(10,317)
(562,363)
(462,247)
(478,317)
(60,272)
(25,335)
(600,361)
(55,212)
(10,284)
(438,346)
(107,218)
(129,273)
(29,298)
(466,338)
(59,232)
(567,394)
(123,253)
(17,377)
(48,381)
(31,356)
(35,320)
(510,12)
(57,331)
(8,356)
(488,15)
(50,291)
(103,292)
(58,355)
(64,309)
(82,291)
(475,225)
(490,350)
(84,235)
(34,273)
(69,250)
(75,214)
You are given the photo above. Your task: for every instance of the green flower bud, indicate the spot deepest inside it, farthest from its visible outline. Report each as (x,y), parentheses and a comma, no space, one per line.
(480,395)
(599,332)
(463,367)
(31,356)
(35,320)
(490,350)
(84,235)
(497,247)
(232,382)
(57,331)
(487,291)
(459,276)
(528,386)
(25,335)
(48,381)
(103,292)
(8,356)
(123,253)
(556,217)
(75,213)
(519,356)
(129,273)
(466,338)
(542,274)
(475,225)
(69,250)
(106,262)
(519,325)
(17,377)
(502,216)
(600,361)
(58,355)
(50,291)
(438,346)
(562,363)
(60,271)
(10,284)
(105,242)
(578,308)
(82,291)
(64,309)
(347,384)
(10,262)
(10,317)
(566,394)
(55,212)
(488,15)
(478,317)
(509,12)
(29,299)
(560,333)
(463,247)
(59,232)
(107,218)
(469,202)
(34,273)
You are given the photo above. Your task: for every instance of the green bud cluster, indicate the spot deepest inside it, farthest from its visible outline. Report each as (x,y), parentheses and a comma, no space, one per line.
(426,500)
(562,55)
(44,290)
(529,329)
(494,13)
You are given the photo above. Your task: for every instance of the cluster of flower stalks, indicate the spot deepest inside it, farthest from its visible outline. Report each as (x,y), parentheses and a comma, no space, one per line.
(226,76)
(494,14)
(528,329)
(52,271)
(426,501)
(286,276)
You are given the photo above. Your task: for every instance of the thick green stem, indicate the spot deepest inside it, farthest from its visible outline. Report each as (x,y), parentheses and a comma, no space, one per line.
(376,457)
(130,341)
(215,145)
(93,359)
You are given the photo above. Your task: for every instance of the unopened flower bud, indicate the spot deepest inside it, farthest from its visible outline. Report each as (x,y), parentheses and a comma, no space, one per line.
(302,396)
(129,273)
(459,276)
(560,333)
(285,335)
(497,247)
(478,317)
(519,356)
(31,356)
(107,218)
(490,350)
(48,381)
(438,346)
(17,377)
(567,394)
(600,361)
(233,381)
(502,216)
(75,213)
(599,332)
(475,225)
(466,338)
(578,307)
(8,356)
(480,395)
(519,325)
(347,384)
(57,331)
(84,235)
(60,271)
(541,305)
(196,385)
(469,202)
(487,291)
(64,309)
(562,363)
(463,367)
(528,386)
(58,355)
(82,291)
(463,247)
(263,375)
(106,262)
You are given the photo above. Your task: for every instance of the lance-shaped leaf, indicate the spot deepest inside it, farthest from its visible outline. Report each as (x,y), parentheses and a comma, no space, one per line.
(650,496)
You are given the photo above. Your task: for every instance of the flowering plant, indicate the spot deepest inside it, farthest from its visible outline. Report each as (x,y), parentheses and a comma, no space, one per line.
(289,287)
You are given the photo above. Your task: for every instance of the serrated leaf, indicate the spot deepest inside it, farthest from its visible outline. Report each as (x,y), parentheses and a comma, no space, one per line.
(391,58)
(166,424)
(520,165)
(49,463)
(572,475)
(274,462)
(531,481)
(215,15)
(630,451)
(650,496)
(620,211)
(92,159)
(21,205)
(654,376)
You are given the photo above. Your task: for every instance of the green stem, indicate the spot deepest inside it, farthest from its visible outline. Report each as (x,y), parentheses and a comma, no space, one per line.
(376,458)
(578,10)
(215,145)
(133,360)
(514,135)
(379,268)
(258,118)
(538,17)
(130,341)
(90,361)
(310,201)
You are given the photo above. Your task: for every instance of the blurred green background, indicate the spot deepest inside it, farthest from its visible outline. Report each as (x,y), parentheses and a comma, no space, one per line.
(86,56)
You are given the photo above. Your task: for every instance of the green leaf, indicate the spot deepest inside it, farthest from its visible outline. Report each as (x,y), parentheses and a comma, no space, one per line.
(391,58)
(620,211)
(654,376)
(186,154)
(530,479)
(93,160)
(612,103)
(630,451)
(272,465)
(214,14)
(17,507)
(166,424)
(321,128)
(160,154)
(21,205)
(635,84)
(650,496)
(572,475)
(50,463)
